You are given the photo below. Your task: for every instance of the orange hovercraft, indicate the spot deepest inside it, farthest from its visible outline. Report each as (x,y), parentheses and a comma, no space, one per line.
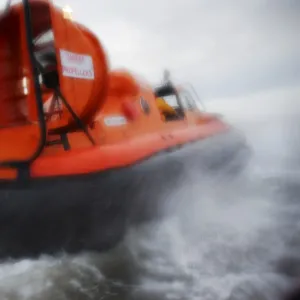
(77,138)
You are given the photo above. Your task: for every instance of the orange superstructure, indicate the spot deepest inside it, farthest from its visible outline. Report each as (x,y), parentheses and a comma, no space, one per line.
(64,112)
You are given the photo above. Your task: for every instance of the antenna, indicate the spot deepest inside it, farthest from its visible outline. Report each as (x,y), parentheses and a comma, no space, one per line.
(167,75)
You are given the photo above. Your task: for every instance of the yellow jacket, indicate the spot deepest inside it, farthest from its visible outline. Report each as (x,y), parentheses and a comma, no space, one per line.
(163,106)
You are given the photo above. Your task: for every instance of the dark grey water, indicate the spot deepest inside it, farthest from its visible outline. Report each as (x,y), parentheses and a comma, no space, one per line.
(231,238)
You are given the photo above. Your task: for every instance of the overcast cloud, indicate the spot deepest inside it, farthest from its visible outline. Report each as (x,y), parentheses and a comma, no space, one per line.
(224,48)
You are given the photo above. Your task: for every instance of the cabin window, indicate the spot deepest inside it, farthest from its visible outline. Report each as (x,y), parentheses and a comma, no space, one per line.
(188,101)
(44,38)
(171,100)
(169,103)
(169,108)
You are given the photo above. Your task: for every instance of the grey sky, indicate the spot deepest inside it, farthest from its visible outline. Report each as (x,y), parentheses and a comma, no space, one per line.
(225,48)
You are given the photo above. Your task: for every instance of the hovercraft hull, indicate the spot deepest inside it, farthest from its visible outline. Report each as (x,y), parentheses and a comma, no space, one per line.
(92,212)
